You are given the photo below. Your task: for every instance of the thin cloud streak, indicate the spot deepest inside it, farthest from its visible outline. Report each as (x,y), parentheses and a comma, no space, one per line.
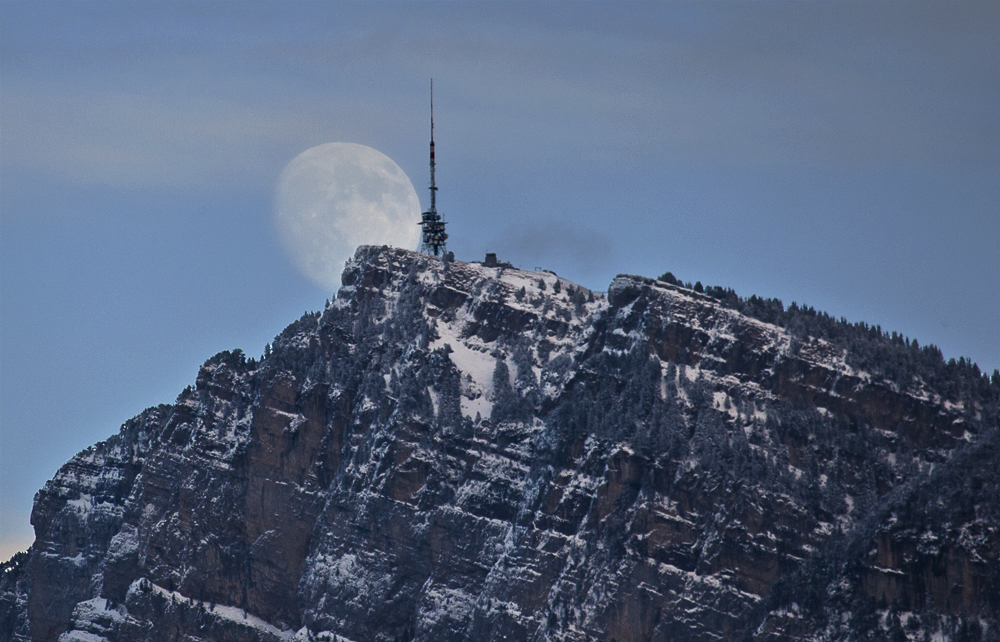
(759,84)
(584,250)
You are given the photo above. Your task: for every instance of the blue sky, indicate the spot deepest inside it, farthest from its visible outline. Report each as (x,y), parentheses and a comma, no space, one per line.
(841,155)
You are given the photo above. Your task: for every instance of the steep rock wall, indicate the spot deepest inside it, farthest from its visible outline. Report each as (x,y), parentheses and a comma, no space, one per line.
(454,452)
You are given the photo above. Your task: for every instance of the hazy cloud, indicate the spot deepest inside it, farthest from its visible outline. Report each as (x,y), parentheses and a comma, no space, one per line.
(577,246)
(136,140)
(881,83)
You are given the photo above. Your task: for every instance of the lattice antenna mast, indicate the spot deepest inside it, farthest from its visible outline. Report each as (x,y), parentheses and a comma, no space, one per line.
(433,236)
(434,188)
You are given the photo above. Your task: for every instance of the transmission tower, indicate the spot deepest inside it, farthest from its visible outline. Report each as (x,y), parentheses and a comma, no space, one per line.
(433,236)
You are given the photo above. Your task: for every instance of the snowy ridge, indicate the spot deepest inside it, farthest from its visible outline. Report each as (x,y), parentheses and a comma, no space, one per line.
(451,451)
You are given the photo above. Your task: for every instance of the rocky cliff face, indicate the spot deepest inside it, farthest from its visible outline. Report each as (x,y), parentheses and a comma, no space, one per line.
(451,451)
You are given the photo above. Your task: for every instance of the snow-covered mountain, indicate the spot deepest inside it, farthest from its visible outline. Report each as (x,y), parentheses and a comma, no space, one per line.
(451,451)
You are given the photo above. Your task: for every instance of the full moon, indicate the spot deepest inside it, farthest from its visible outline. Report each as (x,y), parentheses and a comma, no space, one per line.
(333,198)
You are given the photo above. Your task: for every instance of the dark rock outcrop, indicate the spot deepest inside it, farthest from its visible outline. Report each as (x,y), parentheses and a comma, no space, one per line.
(452,451)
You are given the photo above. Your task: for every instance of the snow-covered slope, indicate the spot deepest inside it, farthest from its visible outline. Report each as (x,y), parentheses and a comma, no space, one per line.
(451,451)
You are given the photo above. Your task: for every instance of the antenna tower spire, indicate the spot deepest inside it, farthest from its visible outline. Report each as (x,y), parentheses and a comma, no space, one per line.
(433,187)
(433,236)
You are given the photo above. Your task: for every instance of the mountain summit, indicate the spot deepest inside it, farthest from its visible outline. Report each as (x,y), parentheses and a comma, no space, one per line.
(455,451)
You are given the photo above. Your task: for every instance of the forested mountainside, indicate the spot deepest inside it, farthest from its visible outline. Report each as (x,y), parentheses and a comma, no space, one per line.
(450,451)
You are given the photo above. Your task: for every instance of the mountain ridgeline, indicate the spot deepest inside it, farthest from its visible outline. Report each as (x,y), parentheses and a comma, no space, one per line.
(451,451)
